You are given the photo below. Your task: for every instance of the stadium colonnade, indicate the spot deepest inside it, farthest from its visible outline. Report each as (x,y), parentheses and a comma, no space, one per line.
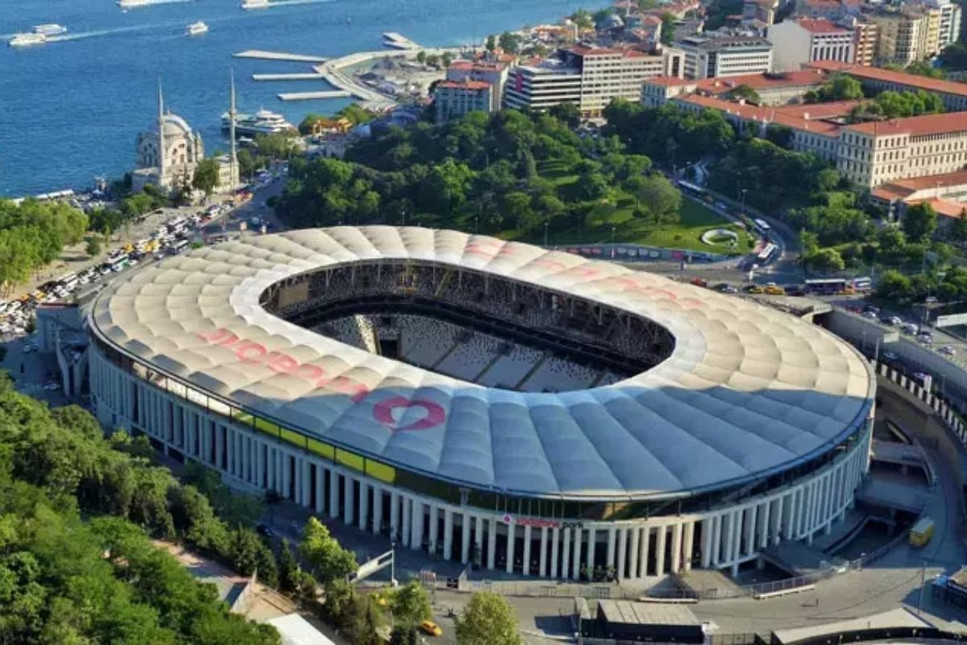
(139,382)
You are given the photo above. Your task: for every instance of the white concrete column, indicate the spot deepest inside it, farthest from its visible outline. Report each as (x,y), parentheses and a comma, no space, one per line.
(708,528)
(612,538)
(416,524)
(565,556)
(434,528)
(634,572)
(676,546)
(333,493)
(527,550)
(660,551)
(447,533)
(718,537)
(286,474)
(478,537)
(763,539)
(750,519)
(729,537)
(643,550)
(465,538)
(590,555)
(306,482)
(622,553)
(406,522)
(349,500)
(394,515)
(320,490)
(555,536)
(737,537)
(776,517)
(259,464)
(219,447)
(511,545)
(576,564)
(492,542)
(270,464)
(688,546)
(363,505)
(542,567)
(377,509)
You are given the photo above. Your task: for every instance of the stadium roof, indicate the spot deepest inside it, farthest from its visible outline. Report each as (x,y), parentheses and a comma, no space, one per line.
(747,390)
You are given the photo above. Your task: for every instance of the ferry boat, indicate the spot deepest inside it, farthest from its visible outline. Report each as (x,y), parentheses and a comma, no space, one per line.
(196,29)
(27,40)
(262,122)
(50,30)
(255,4)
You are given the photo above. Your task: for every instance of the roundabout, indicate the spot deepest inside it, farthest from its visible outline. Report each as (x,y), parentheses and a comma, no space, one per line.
(720,237)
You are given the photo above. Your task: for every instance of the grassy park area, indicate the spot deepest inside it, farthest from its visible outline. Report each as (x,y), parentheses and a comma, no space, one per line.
(684,234)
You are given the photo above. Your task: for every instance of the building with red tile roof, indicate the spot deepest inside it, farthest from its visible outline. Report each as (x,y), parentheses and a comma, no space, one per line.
(953,94)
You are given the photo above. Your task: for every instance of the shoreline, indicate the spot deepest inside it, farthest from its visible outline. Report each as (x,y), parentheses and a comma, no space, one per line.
(85,186)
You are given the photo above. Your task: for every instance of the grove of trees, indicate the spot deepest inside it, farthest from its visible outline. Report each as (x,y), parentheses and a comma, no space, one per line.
(32,235)
(76,565)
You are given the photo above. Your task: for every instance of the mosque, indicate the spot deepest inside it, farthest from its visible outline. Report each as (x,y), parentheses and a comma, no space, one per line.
(169,160)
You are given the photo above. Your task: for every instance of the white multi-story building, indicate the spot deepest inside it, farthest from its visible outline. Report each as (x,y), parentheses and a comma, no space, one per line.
(950,20)
(590,77)
(494,73)
(454,99)
(805,40)
(709,57)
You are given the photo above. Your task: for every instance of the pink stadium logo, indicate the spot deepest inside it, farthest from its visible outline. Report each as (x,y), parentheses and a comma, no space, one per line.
(433,415)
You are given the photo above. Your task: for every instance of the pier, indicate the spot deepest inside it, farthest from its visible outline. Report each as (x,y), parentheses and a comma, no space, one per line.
(398,41)
(307,76)
(280,56)
(314,96)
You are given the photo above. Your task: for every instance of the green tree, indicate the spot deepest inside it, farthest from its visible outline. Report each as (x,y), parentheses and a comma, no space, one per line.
(894,285)
(919,222)
(328,559)
(745,92)
(93,247)
(421,57)
(667,28)
(488,619)
(410,604)
(659,197)
(567,113)
(509,42)
(206,176)
(582,19)
(958,228)
(404,635)
(445,59)
(491,43)
(826,260)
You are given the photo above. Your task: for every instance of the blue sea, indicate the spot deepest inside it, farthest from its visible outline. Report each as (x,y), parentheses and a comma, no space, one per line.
(71,110)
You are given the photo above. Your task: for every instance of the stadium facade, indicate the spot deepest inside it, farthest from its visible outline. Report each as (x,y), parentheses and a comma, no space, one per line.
(493,402)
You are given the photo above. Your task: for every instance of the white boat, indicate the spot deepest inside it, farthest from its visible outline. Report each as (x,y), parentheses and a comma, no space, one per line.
(50,30)
(255,4)
(27,40)
(262,122)
(197,29)
(128,4)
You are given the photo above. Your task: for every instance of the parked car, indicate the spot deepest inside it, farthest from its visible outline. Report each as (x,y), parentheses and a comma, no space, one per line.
(948,350)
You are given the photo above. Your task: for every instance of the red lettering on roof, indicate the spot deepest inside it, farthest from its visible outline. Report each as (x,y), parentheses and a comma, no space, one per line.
(434,413)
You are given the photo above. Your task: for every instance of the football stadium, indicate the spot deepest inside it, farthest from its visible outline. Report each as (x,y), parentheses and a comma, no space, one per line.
(490,402)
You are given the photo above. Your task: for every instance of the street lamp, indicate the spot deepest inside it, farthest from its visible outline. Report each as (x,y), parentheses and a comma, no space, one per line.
(476,224)
(742,201)
(403,215)
(546,224)
(612,242)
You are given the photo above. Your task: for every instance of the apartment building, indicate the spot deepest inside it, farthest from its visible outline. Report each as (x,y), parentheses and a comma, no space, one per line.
(874,153)
(953,95)
(494,73)
(864,42)
(806,40)
(717,56)
(950,20)
(590,77)
(906,36)
(454,99)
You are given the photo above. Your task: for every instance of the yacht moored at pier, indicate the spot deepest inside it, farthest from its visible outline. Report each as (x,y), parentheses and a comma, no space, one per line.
(262,122)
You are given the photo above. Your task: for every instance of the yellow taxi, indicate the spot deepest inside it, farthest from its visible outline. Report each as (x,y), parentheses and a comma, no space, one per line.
(755,289)
(430,628)
(773,290)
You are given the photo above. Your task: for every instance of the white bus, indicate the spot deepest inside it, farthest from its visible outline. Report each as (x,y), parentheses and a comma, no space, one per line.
(762,225)
(180,246)
(766,254)
(68,281)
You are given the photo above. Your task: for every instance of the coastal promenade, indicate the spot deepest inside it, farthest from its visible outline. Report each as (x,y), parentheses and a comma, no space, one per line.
(259,54)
